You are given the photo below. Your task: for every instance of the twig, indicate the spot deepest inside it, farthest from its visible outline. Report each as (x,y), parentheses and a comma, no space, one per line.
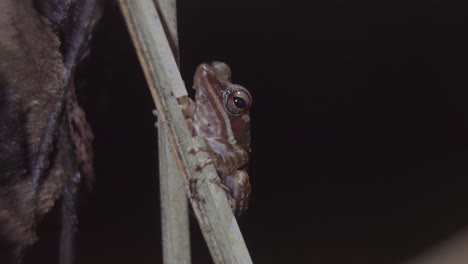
(69,197)
(174,207)
(211,208)
(175,229)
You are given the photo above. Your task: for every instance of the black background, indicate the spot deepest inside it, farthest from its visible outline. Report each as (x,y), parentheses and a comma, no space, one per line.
(359,129)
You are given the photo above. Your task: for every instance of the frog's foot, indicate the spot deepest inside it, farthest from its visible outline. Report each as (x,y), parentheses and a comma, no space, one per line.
(232,202)
(155,113)
(193,189)
(220,184)
(159,119)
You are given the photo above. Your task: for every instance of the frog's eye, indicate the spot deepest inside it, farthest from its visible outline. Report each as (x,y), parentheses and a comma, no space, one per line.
(238,102)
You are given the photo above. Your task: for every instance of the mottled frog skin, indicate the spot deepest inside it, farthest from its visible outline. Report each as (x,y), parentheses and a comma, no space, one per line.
(220,115)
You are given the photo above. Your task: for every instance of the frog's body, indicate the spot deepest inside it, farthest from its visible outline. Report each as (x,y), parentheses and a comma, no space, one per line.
(220,115)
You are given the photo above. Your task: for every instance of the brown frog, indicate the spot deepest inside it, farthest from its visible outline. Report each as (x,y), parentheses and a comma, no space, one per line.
(220,115)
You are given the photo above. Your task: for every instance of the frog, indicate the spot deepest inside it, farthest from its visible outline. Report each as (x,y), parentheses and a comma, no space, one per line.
(219,115)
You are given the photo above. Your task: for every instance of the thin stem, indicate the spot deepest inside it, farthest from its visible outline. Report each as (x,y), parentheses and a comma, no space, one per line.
(175,229)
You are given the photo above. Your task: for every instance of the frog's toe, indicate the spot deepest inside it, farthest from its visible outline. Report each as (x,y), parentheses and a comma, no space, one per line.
(203,164)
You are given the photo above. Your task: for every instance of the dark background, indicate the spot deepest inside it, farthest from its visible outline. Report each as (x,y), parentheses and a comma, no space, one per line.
(359,129)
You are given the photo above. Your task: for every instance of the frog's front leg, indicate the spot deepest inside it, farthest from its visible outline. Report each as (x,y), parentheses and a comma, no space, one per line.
(211,160)
(224,155)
